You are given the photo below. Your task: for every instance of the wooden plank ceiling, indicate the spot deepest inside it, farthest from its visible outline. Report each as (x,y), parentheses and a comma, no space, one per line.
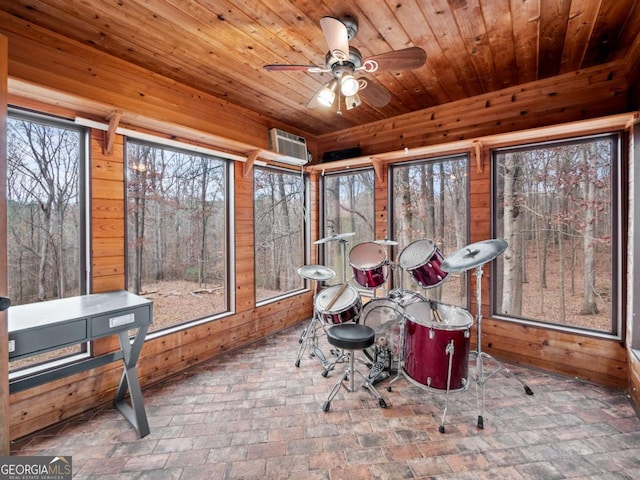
(220,46)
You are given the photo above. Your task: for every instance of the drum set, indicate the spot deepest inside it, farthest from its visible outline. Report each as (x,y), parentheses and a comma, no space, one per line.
(425,341)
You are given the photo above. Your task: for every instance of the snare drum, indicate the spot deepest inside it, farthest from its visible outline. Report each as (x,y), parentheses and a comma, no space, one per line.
(433,341)
(369,263)
(345,308)
(423,261)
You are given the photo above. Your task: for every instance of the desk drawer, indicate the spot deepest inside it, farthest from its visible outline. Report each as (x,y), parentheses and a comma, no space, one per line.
(118,321)
(29,342)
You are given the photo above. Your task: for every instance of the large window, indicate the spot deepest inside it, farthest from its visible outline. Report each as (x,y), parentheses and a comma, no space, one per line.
(279,231)
(177,232)
(348,209)
(45,214)
(430,216)
(557,206)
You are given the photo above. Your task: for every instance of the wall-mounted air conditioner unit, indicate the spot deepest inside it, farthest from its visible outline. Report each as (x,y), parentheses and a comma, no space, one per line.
(289,145)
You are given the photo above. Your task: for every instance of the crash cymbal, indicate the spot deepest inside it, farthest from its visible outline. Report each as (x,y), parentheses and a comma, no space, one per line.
(474,255)
(334,237)
(316,272)
(386,241)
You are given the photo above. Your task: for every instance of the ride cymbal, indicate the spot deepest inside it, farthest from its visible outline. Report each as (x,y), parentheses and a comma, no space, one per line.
(386,241)
(334,237)
(316,272)
(474,255)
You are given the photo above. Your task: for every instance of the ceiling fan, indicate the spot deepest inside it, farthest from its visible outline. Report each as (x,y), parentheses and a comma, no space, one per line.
(343,61)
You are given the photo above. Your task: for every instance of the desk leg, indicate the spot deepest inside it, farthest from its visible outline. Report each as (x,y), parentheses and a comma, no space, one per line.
(136,415)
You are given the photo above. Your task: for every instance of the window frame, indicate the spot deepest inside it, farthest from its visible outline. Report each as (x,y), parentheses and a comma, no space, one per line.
(84,229)
(322,251)
(618,210)
(229,260)
(466,156)
(306,232)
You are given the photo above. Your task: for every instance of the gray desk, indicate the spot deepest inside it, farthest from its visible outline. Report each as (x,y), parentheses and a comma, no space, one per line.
(41,327)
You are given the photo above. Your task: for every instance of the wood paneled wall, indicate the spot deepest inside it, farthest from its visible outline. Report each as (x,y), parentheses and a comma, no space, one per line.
(589,93)
(163,356)
(599,360)
(93,84)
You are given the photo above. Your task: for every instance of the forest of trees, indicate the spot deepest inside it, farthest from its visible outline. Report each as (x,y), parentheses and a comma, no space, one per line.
(554,204)
(279,231)
(177,231)
(45,218)
(554,208)
(430,201)
(348,208)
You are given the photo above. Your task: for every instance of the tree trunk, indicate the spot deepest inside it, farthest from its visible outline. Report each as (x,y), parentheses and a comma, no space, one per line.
(512,276)
(589,305)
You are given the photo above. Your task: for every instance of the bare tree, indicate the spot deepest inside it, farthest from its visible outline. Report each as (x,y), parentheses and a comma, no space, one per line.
(589,191)
(512,276)
(46,161)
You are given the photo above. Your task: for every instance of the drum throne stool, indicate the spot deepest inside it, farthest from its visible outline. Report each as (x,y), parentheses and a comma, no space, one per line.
(351,337)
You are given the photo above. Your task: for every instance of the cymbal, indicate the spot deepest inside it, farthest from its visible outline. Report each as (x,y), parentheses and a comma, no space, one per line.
(316,272)
(334,237)
(386,241)
(474,255)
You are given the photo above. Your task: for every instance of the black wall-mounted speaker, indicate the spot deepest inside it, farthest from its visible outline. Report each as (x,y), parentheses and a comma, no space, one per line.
(341,154)
(5,302)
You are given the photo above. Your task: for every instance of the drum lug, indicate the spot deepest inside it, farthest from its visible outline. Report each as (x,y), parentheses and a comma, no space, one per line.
(428,381)
(431,334)
(467,333)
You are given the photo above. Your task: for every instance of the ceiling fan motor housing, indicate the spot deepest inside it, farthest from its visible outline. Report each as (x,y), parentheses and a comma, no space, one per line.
(355,61)
(351,24)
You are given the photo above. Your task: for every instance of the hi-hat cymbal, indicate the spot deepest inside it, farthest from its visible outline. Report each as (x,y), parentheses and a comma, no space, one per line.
(334,237)
(474,255)
(386,241)
(316,272)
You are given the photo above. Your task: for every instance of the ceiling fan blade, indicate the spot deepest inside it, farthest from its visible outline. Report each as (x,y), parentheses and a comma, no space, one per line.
(337,37)
(372,93)
(276,67)
(405,59)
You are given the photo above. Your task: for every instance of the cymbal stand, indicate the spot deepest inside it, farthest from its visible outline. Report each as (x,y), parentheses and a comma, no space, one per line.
(343,243)
(401,339)
(309,338)
(481,376)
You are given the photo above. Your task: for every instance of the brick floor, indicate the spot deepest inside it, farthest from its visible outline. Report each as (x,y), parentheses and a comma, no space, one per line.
(252,414)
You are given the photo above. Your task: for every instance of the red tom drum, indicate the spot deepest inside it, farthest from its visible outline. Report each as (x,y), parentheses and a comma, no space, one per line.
(369,263)
(423,261)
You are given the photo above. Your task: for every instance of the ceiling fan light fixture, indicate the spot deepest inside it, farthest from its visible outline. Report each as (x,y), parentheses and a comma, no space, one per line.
(349,86)
(352,101)
(327,95)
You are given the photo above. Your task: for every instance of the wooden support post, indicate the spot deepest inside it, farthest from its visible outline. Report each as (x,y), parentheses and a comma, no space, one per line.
(114,119)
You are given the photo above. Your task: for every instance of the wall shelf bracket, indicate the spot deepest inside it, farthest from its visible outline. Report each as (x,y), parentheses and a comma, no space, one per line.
(248,165)
(109,135)
(377,167)
(477,146)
